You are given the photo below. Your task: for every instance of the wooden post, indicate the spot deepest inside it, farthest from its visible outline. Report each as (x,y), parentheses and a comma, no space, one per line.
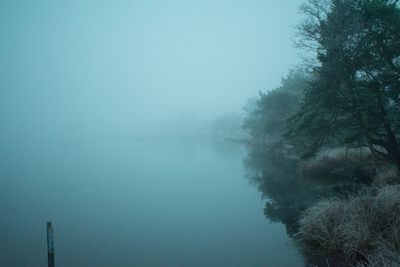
(50,245)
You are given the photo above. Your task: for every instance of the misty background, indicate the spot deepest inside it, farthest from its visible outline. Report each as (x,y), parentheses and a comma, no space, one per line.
(85,67)
(193,133)
(86,87)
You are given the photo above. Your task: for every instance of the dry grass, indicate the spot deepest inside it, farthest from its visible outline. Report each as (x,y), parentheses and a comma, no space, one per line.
(337,164)
(383,256)
(365,228)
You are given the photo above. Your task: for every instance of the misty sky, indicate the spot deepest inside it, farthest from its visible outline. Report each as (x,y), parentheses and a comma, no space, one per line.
(93,65)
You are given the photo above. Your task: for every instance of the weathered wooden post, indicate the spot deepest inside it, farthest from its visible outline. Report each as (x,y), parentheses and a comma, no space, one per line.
(50,245)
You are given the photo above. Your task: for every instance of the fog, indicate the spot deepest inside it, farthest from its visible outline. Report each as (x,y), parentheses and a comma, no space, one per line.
(200,133)
(120,123)
(73,67)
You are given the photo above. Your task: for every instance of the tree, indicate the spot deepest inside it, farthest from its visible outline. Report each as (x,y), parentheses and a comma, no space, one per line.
(354,98)
(265,117)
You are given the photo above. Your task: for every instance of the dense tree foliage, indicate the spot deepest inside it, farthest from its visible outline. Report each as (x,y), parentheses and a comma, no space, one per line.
(354,98)
(265,117)
(339,117)
(351,96)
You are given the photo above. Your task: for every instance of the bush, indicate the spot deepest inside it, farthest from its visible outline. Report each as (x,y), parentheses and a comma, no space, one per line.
(339,165)
(387,175)
(384,256)
(365,229)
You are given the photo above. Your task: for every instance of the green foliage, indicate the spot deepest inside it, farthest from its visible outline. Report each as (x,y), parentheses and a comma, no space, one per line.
(265,116)
(350,99)
(354,98)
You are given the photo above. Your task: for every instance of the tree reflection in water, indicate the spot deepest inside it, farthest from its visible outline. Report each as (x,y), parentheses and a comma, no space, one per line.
(286,193)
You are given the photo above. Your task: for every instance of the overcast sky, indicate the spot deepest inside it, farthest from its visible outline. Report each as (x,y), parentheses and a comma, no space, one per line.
(93,65)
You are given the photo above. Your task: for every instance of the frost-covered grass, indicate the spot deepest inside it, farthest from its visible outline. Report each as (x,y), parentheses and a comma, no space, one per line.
(383,256)
(365,228)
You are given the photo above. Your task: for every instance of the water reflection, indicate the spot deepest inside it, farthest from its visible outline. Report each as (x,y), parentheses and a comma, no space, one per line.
(286,194)
(135,201)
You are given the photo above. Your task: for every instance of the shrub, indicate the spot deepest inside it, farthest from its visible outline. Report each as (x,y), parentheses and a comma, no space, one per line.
(339,164)
(387,175)
(365,228)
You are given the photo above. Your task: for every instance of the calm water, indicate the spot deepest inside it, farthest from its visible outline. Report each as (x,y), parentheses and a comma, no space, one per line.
(130,201)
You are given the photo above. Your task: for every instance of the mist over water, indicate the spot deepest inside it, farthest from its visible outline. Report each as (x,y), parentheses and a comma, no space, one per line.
(117,121)
(105,66)
(136,202)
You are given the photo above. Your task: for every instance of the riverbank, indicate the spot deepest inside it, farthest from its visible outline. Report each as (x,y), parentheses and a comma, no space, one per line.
(341,206)
(362,227)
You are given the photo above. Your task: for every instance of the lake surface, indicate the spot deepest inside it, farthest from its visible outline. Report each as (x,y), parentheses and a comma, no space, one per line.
(133,201)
